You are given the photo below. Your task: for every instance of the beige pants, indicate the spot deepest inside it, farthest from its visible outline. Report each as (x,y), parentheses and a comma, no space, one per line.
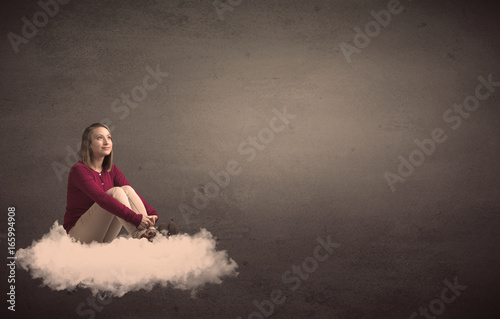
(100,225)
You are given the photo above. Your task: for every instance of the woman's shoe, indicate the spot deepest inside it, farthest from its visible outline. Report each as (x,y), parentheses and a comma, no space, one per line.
(147,233)
(150,233)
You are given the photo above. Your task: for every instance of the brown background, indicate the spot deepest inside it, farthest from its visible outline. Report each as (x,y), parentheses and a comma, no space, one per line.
(323,175)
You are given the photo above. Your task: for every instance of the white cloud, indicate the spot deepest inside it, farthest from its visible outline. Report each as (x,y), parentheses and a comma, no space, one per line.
(124,265)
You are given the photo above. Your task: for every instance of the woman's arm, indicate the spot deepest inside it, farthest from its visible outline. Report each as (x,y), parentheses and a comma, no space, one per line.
(84,180)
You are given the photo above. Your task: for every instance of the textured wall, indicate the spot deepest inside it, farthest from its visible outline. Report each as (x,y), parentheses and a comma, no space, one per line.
(349,106)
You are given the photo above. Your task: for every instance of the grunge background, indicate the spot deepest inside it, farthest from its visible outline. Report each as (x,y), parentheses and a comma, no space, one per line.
(223,72)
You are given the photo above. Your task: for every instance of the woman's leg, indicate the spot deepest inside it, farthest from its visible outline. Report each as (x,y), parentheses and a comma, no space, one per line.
(100,225)
(113,230)
(137,206)
(135,201)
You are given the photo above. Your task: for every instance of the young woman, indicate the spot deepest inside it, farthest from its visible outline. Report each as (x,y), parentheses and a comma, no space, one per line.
(100,200)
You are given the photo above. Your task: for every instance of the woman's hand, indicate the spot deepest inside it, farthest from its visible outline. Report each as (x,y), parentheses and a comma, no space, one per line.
(146,222)
(154,218)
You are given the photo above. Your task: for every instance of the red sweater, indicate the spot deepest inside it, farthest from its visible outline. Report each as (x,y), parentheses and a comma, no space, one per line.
(86,187)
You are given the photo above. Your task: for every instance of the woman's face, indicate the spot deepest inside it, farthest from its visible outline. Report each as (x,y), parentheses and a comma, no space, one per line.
(100,142)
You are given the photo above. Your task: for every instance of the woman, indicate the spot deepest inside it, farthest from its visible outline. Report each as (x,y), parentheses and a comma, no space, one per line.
(100,200)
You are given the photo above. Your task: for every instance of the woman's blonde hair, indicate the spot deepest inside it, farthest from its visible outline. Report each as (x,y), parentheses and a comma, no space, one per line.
(85,151)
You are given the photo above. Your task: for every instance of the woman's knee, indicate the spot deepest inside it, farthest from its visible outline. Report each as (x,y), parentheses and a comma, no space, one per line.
(117,193)
(128,189)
